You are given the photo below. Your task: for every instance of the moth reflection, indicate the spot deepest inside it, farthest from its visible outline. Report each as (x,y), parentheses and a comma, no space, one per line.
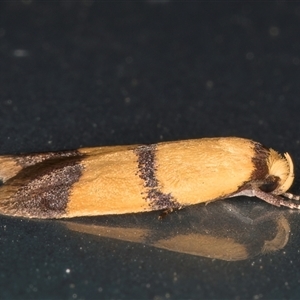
(223,231)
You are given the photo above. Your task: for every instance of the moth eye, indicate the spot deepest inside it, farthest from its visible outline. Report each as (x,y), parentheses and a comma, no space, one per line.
(270,184)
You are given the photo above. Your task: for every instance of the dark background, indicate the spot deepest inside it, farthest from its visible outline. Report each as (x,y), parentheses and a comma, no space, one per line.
(90,73)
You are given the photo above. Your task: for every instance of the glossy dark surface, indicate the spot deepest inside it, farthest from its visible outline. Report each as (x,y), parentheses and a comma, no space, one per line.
(89,73)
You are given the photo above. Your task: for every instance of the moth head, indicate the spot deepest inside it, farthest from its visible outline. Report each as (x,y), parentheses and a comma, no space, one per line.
(282,169)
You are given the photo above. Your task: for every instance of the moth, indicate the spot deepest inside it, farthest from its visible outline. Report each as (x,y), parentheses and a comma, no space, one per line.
(139,178)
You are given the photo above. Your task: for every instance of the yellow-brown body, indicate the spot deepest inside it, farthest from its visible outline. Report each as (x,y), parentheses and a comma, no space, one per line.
(139,178)
(191,171)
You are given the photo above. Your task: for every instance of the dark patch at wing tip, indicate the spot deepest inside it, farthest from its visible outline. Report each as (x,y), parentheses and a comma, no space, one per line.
(42,190)
(27,160)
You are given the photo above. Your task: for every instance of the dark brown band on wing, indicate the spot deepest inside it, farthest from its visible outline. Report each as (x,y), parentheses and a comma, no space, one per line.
(42,190)
(147,172)
(260,161)
(261,170)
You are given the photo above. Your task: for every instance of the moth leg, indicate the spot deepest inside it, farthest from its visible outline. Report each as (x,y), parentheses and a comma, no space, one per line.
(274,199)
(291,196)
(165,212)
